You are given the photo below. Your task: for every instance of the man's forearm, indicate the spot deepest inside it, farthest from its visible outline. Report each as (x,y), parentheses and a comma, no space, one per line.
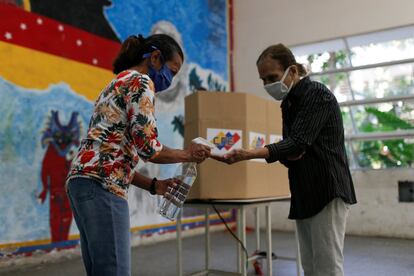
(285,149)
(258,153)
(263,153)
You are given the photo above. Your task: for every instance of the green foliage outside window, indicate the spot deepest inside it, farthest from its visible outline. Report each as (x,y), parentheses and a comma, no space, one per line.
(386,153)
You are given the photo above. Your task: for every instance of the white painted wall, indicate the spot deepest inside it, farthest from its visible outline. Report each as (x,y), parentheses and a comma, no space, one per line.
(260,23)
(377,213)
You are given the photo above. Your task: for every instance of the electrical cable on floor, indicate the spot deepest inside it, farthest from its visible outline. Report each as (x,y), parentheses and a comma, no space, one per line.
(234,235)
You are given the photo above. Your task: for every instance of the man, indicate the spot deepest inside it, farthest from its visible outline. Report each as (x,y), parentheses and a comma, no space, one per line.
(313,150)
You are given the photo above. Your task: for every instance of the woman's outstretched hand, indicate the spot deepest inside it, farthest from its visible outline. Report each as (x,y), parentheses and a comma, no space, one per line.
(199,153)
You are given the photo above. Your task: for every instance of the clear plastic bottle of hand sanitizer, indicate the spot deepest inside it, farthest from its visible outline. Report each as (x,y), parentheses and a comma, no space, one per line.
(173,200)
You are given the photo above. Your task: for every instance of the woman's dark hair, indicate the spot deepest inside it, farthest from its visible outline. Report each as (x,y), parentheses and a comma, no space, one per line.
(284,55)
(135,47)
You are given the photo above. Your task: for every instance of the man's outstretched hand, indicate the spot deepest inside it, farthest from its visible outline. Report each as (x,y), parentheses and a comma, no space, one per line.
(238,155)
(232,157)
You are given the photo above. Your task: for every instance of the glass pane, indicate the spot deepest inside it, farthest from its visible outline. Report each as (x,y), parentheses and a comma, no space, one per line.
(405,111)
(347,120)
(324,61)
(379,154)
(350,154)
(383,81)
(382,52)
(383,117)
(338,84)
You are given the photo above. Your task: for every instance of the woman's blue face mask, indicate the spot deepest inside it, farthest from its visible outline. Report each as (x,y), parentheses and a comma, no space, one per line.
(162,78)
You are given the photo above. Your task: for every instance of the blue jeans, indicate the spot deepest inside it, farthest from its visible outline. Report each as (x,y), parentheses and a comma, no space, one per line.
(103,222)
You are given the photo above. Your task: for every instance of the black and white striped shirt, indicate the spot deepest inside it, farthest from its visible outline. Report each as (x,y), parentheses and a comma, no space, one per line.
(312,124)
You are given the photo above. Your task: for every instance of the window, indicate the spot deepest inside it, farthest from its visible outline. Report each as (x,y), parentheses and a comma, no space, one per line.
(372,76)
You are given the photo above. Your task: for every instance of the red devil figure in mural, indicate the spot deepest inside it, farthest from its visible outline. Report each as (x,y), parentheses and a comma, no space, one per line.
(55,166)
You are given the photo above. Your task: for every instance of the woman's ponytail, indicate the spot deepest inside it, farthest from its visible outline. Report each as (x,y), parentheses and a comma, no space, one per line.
(135,47)
(130,54)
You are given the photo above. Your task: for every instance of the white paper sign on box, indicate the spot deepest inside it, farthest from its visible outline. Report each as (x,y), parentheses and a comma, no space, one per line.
(225,140)
(205,142)
(257,140)
(274,138)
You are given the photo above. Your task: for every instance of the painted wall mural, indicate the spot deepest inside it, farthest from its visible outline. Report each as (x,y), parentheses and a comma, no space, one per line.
(55,58)
(58,140)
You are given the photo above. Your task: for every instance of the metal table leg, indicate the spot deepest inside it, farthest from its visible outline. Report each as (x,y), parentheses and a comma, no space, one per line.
(239,248)
(207,238)
(269,240)
(179,247)
(257,212)
(243,239)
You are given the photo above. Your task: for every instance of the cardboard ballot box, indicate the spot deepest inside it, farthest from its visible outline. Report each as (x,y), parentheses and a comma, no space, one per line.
(230,121)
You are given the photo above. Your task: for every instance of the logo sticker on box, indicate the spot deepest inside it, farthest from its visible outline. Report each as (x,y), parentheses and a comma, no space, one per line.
(225,140)
(257,140)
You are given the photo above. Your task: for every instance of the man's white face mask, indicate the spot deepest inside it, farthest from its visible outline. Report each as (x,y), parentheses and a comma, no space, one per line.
(278,90)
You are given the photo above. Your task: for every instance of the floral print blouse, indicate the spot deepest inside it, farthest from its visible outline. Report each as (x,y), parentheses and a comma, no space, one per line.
(121,131)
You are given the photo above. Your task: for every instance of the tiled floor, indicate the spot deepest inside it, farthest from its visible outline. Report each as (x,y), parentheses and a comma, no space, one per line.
(363,256)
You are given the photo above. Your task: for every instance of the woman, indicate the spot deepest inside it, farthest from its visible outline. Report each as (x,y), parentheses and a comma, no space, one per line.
(123,130)
(313,149)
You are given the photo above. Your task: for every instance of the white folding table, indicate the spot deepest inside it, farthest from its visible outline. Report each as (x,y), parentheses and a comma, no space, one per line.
(240,206)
